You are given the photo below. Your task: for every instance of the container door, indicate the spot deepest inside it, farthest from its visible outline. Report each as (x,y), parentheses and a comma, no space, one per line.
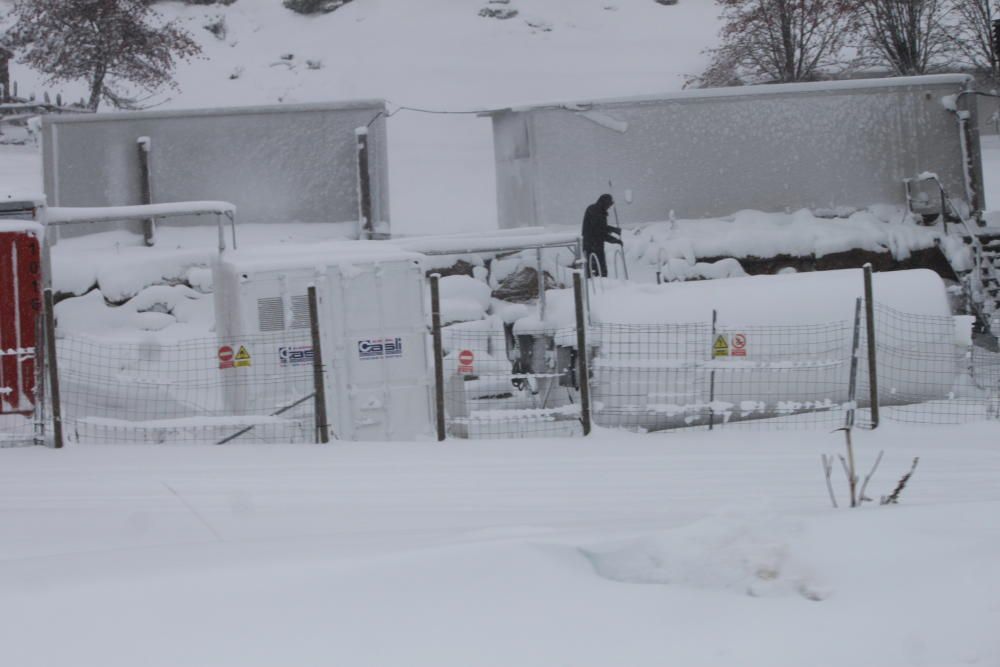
(20,306)
(385,340)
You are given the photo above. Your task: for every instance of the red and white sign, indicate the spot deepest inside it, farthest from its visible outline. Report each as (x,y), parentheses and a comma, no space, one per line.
(465,361)
(226,355)
(739,345)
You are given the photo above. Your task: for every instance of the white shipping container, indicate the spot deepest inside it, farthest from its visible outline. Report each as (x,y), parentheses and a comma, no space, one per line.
(372,319)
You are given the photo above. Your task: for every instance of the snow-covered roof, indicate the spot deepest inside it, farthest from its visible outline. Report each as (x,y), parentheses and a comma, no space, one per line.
(20,199)
(11,225)
(741,91)
(498,241)
(346,105)
(63,215)
(327,253)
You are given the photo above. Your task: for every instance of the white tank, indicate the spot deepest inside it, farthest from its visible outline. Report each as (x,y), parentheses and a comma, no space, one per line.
(780,345)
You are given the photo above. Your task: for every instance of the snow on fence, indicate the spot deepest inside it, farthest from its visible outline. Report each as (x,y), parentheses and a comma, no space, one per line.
(195,391)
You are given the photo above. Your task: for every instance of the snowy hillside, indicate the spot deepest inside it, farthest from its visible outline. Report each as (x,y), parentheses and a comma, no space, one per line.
(435,54)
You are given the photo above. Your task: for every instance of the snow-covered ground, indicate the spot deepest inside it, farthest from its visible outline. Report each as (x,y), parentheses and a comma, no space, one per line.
(685,549)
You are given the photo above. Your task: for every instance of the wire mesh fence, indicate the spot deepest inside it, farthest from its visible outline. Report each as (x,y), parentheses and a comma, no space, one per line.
(255,389)
(501,385)
(658,377)
(929,374)
(711,375)
(505,383)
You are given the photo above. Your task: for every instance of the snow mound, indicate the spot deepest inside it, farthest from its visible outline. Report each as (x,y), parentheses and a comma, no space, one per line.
(175,312)
(463,298)
(740,553)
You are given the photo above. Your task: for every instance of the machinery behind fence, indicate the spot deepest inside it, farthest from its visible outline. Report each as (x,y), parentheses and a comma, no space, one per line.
(657,377)
(508,381)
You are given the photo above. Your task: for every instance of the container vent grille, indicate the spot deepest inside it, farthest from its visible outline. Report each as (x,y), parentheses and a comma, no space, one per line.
(271,313)
(300,311)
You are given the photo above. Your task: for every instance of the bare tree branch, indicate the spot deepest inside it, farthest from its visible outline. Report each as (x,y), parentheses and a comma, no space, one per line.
(101,42)
(779,41)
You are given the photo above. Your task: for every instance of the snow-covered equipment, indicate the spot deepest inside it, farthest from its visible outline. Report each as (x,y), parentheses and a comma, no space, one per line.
(498,382)
(372,323)
(709,153)
(683,354)
(298,162)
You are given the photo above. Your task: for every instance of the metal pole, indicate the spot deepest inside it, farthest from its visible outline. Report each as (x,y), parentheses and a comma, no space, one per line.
(541,284)
(583,266)
(146,183)
(319,381)
(968,137)
(50,354)
(583,368)
(366,224)
(711,375)
(870,336)
(438,357)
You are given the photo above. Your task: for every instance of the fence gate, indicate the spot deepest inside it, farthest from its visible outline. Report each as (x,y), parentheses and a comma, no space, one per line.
(20,311)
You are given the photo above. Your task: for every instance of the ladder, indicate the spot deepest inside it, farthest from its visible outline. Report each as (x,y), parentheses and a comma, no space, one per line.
(981,282)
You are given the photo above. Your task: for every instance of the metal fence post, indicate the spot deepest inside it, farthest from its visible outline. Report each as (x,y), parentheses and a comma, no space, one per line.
(870,335)
(583,368)
(50,356)
(144,145)
(438,357)
(711,374)
(319,382)
(366,224)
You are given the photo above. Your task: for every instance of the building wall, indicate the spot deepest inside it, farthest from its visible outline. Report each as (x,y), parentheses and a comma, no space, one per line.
(289,163)
(711,153)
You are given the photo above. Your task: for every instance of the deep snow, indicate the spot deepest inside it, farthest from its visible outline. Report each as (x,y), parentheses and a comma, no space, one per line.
(684,548)
(691,548)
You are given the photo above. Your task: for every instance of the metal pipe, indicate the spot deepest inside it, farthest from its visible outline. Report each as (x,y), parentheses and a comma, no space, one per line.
(582,365)
(870,335)
(438,357)
(51,360)
(319,379)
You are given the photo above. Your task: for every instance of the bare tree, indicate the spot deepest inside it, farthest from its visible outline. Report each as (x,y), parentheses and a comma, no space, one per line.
(105,42)
(973,36)
(910,36)
(779,40)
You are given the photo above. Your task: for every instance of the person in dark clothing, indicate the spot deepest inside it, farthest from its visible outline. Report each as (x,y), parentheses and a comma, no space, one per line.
(597,232)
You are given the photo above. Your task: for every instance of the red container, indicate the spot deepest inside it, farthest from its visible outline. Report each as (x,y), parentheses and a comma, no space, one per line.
(20,307)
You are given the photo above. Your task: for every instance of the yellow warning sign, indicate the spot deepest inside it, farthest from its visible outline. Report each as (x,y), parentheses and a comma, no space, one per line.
(720,348)
(242,359)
